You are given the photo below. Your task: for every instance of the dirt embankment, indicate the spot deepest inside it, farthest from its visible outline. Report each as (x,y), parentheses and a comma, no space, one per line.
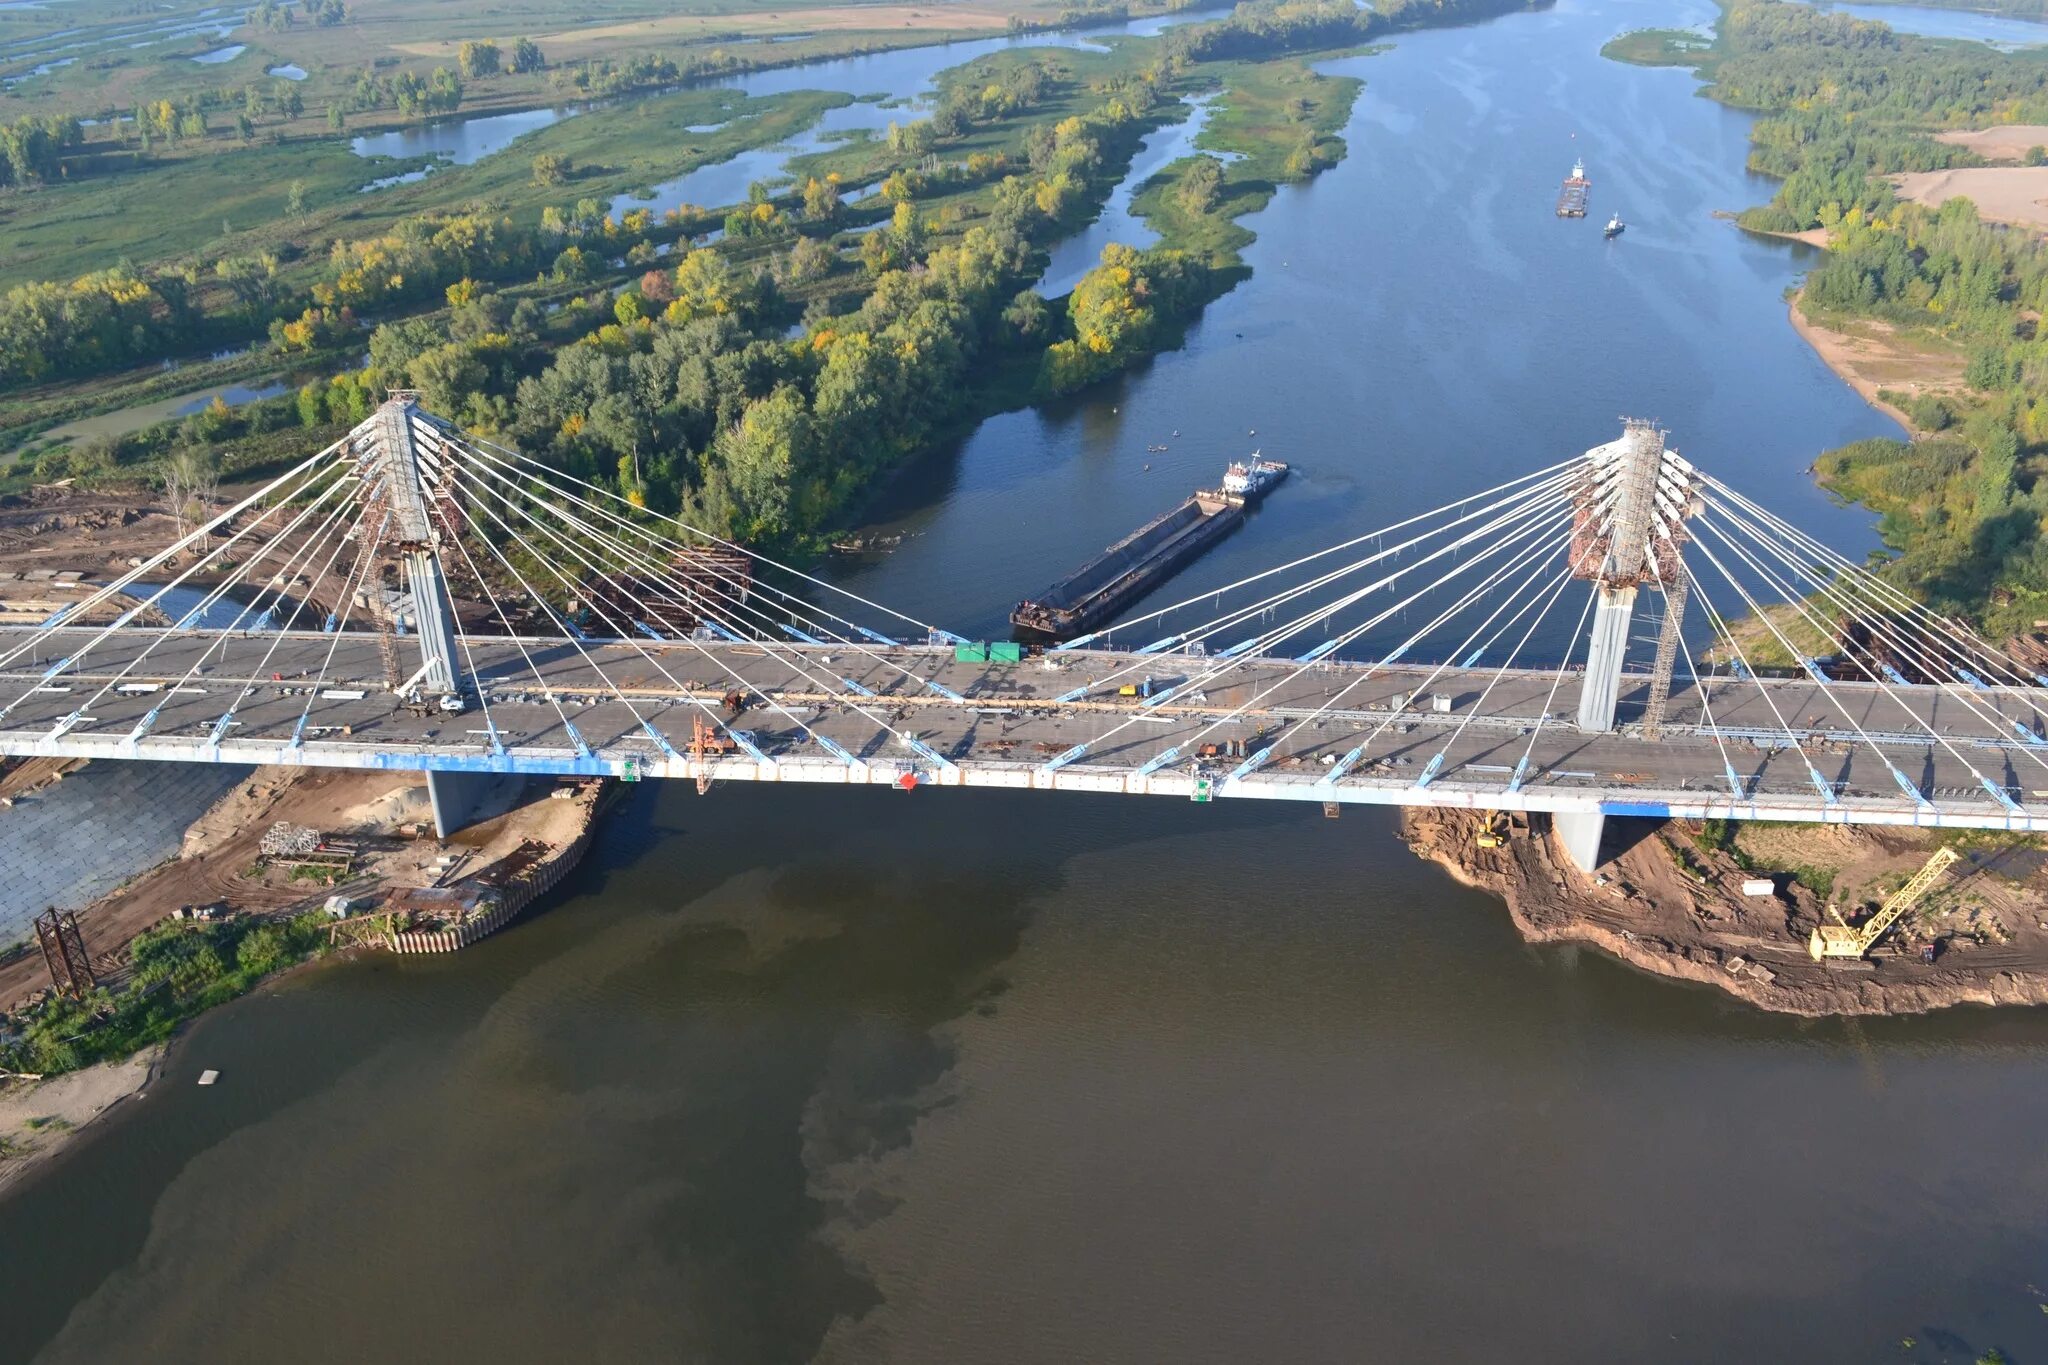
(1874,357)
(1666,906)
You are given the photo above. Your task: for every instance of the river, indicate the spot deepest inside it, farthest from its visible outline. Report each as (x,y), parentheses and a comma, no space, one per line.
(790,1075)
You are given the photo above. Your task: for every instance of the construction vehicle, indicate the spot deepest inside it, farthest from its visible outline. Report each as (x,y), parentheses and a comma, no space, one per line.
(1840,940)
(1493,830)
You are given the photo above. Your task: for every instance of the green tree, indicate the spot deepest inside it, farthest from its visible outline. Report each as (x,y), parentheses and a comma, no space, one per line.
(526,56)
(478,58)
(1200,185)
(550,168)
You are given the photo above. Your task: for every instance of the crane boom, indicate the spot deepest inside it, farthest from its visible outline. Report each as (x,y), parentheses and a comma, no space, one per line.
(1839,940)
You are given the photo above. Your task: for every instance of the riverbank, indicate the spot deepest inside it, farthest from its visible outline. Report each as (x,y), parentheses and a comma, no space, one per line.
(1670,904)
(41,1118)
(1879,361)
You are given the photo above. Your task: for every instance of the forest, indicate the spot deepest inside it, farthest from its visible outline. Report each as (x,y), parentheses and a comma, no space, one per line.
(764,381)
(1846,102)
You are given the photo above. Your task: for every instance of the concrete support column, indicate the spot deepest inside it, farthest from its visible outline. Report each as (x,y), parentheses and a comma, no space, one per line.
(462,799)
(434,616)
(1606,646)
(1579,832)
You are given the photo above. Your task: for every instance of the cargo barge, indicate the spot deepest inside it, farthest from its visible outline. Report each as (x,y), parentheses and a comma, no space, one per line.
(1571,200)
(1147,557)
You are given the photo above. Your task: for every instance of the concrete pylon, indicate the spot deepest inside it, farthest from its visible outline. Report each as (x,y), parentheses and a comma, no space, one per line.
(1606,648)
(397,452)
(1579,833)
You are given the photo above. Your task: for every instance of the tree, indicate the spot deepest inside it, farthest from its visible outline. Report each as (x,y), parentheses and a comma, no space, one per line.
(295,199)
(550,168)
(190,478)
(2037,156)
(478,58)
(810,259)
(1027,316)
(526,56)
(1201,184)
(821,200)
(245,128)
(336,119)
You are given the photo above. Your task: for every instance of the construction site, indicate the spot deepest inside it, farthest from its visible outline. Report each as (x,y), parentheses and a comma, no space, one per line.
(1811,920)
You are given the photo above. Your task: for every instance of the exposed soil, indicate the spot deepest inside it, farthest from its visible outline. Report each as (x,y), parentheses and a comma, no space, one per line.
(218,862)
(1666,907)
(1874,356)
(2008,142)
(2002,194)
(39,1117)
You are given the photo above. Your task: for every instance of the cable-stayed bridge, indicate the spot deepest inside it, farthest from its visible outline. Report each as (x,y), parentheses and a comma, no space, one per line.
(415,598)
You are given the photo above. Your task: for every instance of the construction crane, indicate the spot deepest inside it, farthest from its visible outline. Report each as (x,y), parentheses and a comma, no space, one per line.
(1840,940)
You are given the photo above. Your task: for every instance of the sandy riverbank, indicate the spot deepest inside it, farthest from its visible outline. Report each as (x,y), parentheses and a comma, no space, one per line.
(1651,911)
(1874,358)
(38,1119)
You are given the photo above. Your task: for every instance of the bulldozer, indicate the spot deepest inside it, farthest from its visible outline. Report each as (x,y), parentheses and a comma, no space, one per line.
(1841,940)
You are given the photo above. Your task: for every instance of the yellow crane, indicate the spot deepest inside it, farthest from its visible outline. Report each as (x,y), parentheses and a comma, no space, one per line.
(1840,940)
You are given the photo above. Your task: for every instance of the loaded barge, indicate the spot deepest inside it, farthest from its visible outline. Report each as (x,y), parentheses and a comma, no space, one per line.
(1571,200)
(1147,557)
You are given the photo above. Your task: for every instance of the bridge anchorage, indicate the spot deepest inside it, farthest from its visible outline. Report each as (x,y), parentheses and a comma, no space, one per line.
(418,597)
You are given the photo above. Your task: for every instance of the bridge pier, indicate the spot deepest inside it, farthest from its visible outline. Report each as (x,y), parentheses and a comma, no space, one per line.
(1606,647)
(1579,833)
(462,799)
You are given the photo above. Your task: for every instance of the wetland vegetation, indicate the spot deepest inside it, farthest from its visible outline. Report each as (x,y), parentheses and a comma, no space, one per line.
(759,364)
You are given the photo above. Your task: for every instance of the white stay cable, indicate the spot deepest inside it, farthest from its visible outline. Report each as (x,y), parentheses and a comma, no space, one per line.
(1798,605)
(647,566)
(548,471)
(680,686)
(826,744)
(306,548)
(1937,629)
(108,631)
(1826,789)
(164,556)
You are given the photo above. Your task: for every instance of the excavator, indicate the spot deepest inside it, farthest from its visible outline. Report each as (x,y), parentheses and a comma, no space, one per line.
(1840,940)
(1493,830)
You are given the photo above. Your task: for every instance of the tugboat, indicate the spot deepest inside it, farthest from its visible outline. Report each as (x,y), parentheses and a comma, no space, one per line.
(1615,227)
(1245,482)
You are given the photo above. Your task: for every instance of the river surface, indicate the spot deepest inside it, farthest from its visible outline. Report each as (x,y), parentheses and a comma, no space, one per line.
(1998,30)
(790,1075)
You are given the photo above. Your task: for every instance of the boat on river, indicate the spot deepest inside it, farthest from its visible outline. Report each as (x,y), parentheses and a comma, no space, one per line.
(1615,227)
(1148,556)
(1571,200)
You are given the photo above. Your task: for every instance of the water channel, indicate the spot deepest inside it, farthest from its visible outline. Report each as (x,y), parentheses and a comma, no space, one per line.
(799,1075)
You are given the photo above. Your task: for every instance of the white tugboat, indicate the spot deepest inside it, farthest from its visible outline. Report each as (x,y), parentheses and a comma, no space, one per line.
(1615,227)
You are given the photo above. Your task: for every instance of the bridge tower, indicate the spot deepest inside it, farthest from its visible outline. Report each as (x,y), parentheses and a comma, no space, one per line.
(407,496)
(397,450)
(1628,523)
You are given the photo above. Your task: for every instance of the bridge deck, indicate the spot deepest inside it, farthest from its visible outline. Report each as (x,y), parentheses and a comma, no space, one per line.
(1012,723)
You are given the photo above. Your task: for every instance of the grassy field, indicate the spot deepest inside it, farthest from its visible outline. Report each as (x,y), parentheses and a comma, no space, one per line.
(217,205)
